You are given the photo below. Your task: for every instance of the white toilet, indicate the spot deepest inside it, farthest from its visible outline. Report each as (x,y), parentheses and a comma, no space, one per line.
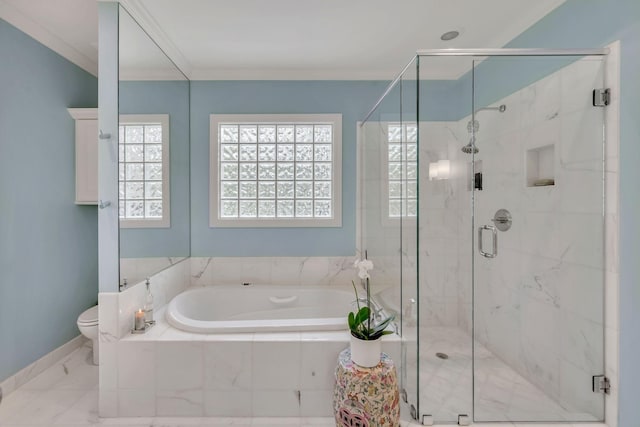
(88,325)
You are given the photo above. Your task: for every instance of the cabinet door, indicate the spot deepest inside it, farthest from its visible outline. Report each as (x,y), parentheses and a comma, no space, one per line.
(86,162)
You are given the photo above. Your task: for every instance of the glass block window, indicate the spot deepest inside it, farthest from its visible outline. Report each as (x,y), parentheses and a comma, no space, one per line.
(276,170)
(402,169)
(143,178)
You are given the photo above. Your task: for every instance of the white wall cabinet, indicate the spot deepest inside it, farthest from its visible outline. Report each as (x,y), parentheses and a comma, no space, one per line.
(86,155)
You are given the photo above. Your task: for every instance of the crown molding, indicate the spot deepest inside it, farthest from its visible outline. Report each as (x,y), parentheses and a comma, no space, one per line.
(151,74)
(36,31)
(83,113)
(150,26)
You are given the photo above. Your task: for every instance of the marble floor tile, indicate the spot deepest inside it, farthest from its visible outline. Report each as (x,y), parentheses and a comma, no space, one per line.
(45,407)
(501,394)
(125,421)
(74,372)
(66,394)
(14,403)
(84,411)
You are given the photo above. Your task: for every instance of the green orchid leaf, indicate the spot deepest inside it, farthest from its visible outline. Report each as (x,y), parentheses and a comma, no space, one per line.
(363,315)
(352,321)
(383,325)
(378,335)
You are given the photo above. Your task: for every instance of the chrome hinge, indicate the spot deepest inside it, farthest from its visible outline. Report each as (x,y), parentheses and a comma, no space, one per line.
(600,384)
(601,97)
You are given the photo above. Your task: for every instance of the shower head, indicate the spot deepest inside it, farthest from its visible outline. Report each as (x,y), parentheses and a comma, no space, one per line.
(470,147)
(474,126)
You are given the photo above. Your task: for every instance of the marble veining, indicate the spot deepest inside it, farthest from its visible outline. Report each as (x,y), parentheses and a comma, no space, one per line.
(28,373)
(300,271)
(501,394)
(168,372)
(53,400)
(538,305)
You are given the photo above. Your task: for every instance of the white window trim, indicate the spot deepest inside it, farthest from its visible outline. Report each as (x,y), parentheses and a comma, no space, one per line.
(165,221)
(214,171)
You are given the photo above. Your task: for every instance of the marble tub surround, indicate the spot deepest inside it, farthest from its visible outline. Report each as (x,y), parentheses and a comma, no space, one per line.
(300,271)
(167,372)
(116,313)
(164,286)
(135,270)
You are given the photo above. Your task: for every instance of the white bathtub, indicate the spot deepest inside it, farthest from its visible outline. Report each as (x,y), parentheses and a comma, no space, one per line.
(260,308)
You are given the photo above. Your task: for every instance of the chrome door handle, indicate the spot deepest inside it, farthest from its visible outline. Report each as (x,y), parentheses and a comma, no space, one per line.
(494,233)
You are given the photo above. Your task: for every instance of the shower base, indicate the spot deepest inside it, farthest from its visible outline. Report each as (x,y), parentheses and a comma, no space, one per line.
(501,394)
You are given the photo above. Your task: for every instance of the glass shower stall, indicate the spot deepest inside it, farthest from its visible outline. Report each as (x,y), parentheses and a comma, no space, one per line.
(482,189)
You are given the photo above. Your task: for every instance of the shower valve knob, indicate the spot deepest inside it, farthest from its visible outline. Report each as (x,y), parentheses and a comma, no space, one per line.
(502,220)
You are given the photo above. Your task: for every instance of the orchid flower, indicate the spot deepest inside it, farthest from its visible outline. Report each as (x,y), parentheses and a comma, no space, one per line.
(363,267)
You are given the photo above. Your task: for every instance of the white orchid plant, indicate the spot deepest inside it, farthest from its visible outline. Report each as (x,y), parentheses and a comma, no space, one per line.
(360,323)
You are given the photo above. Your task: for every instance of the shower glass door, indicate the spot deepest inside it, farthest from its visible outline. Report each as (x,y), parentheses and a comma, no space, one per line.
(537,231)
(389,202)
(445,356)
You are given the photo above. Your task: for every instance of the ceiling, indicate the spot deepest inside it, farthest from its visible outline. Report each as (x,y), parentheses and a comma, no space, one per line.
(69,27)
(286,39)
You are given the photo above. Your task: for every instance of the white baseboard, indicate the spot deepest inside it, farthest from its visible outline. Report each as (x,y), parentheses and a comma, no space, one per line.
(28,373)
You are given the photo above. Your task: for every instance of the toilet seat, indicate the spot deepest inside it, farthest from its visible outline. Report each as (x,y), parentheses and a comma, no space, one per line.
(89,317)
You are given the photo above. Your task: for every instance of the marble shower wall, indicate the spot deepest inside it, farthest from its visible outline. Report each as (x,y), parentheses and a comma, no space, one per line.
(442,207)
(539,304)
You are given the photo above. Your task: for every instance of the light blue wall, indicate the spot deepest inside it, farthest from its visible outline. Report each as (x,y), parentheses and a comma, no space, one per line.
(351,99)
(172,98)
(48,245)
(440,100)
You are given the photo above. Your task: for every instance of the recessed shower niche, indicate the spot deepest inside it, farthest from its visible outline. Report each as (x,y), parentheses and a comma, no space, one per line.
(540,166)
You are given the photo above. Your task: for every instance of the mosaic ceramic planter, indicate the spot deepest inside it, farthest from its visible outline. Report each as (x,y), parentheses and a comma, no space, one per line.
(366,397)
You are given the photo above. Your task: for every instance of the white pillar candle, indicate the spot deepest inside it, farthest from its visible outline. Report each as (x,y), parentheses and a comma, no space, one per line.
(139,323)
